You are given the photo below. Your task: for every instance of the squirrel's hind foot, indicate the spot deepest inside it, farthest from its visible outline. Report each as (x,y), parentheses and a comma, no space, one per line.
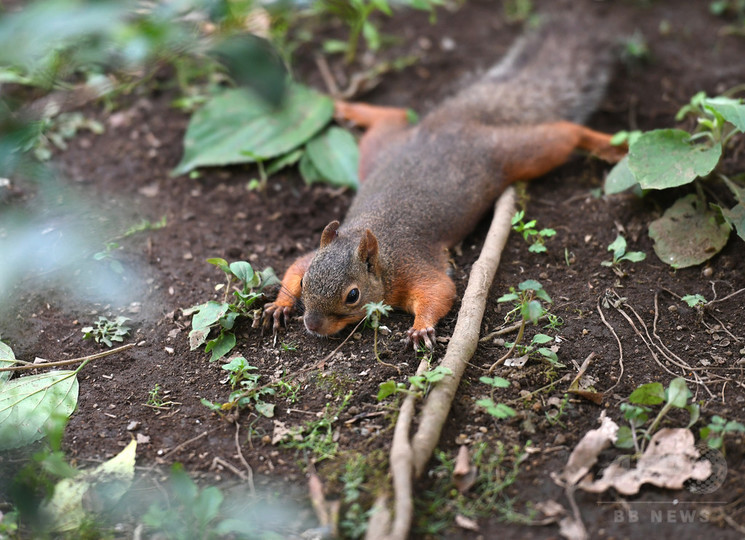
(424,335)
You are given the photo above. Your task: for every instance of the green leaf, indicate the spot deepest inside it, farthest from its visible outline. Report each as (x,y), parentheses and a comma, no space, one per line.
(624,438)
(207,505)
(222,264)
(242,270)
(532,311)
(677,393)
(530,284)
(265,409)
(648,394)
(732,110)
(541,338)
(7,359)
(237,126)
(497,410)
(106,484)
(496,382)
(618,246)
(620,178)
(208,314)
(27,403)
(284,161)
(695,411)
(509,297)
(688,233)
(693,300)
(308,170)
(665,158)
(221,345)
(386,389)
(335,156)
(634,256)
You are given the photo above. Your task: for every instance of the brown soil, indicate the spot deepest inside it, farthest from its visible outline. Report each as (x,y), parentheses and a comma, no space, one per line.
(125,172)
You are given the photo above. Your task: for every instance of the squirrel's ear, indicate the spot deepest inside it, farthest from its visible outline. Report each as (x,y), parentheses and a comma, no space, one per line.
(329,233)
(368,248)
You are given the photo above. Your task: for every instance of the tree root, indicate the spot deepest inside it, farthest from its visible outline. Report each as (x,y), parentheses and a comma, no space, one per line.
(408,458)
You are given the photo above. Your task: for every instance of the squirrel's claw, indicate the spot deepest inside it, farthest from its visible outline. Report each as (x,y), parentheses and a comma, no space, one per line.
(276,314)
(426,335)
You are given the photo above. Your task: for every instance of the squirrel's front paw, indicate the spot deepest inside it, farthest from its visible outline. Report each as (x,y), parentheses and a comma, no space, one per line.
(425,335)
(276,313)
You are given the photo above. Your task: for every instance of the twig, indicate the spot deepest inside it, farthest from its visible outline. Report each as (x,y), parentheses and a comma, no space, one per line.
(249,470)
(507,330)
(232,468)
(620,347)
(410,459)
(327,76)
(332,353)
(186,443)
(68,362)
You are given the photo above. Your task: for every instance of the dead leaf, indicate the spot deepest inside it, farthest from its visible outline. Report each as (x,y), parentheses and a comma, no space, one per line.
(595,397)
(464,473)
(466,523)
(585,454)
(668,462)
(550,508)
(280,432)
(572,529)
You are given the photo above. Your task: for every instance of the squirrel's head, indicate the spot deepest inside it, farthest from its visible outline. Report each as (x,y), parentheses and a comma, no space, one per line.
(344,275)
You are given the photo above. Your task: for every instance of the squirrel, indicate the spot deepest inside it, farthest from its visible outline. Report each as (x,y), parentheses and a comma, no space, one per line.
(424,187)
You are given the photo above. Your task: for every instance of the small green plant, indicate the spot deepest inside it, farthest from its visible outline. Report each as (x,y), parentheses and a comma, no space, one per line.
(354,521)
(246,390)
(692,230)
(154,399)
(518,11)
(358,16)
(553,416)
(190,512)
(57,130)
(638,410)
(374,311)
(421,383)
(717,428)
(536,238)
(107,330)
(497,469)
(618,248)
(317,436)
(694,300)
(635,48)
(497,410)
(221,316)
(288,346)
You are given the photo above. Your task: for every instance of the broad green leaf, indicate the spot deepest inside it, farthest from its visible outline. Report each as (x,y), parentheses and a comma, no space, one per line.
(624,438)
(648,394)
(284,161)
(308,170)
(335,156)
(27,403)
(497,382)
(221,345)
(634,256)
(735,216)
(207,505)
(695,411)
(541,338)
(732,110)
(693,300)
(532,311)
(688,233)
(620,178)
(677,393)
(509,297)
(530,284)
(221,263)
(242,270)
(385,389)
(237,126)
(7,359)
(618,246)
(665,158)
(106,484)
(208,314)
(265,409)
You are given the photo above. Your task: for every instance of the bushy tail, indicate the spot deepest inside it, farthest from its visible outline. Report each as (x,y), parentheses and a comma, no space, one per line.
(558,71)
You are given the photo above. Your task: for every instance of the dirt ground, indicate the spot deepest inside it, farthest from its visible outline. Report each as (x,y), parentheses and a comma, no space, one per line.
(124,175)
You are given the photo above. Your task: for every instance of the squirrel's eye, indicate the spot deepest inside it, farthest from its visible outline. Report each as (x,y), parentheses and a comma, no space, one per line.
(353,296)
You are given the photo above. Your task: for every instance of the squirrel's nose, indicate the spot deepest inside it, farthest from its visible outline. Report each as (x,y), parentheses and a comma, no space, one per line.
(313,322)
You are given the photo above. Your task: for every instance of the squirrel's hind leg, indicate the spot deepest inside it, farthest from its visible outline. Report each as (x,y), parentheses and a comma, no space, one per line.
(382,124)
(530,151)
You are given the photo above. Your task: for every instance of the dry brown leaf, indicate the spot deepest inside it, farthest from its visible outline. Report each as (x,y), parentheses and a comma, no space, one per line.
(670,459)
(466,523)
(572,529)
(464,474)
(585,454)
